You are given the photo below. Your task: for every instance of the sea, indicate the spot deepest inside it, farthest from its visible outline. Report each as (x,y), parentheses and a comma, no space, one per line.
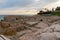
(1,17)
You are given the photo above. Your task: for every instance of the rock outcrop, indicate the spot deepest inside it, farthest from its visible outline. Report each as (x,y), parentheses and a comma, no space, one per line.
(31,27)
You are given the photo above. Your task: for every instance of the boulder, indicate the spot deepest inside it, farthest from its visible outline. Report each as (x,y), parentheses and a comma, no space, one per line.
(47,36)
(42,25)
(56,27)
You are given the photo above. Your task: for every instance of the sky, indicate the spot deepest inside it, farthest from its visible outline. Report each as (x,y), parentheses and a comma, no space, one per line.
(17,7)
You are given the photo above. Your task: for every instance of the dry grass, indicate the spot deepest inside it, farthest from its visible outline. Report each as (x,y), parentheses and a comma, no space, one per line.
(5,25)
(9,32)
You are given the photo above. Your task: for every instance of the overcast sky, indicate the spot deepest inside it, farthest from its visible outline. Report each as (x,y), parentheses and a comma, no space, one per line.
(22,6)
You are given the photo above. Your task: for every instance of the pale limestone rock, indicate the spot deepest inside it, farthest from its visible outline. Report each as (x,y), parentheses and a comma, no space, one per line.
(57,34)
(52,28)
(56,27)
(28,37)
(47,36)
(48,29)
(31,23)
(2,37)
(42,25)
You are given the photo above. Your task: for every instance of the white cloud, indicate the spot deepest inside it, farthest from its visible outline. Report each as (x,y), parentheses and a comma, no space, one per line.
(27,4)
(52,5)
(18,12)
(38,4)
(31,8)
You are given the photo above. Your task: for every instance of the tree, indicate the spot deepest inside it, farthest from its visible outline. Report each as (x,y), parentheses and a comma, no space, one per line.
(58,8)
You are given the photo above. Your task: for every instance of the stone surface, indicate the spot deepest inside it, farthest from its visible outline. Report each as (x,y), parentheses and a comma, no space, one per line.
(47,36)
(42,25)
(56,27)
(31,27)
(2,37)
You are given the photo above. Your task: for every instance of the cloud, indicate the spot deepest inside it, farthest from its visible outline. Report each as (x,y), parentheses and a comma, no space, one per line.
(18,12)
(25,6)
(16,3)
(41,3)
(50,1)
(52,5)
(24,3)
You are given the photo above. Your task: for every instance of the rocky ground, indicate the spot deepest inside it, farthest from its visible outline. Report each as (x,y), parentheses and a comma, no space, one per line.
(35,27)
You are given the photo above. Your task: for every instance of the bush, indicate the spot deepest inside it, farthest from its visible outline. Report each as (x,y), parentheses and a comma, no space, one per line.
(5,25)
(9,32)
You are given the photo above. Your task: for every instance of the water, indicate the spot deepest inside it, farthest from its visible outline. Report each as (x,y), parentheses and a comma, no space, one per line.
(1,17)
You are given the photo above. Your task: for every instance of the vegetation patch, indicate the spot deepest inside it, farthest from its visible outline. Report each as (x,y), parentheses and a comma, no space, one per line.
(55,13)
